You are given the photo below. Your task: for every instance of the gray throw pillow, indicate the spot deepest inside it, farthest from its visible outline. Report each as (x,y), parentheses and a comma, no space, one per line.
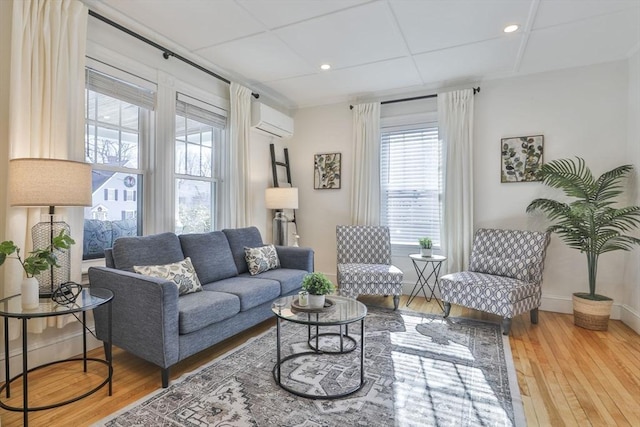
(261,259)
(181,273)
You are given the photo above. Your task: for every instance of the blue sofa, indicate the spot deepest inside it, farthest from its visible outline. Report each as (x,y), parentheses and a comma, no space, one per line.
(153,322)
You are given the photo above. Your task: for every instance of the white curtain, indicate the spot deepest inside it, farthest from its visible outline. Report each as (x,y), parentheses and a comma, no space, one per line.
(239,205)
(365,198)
(455,122)
(46,116)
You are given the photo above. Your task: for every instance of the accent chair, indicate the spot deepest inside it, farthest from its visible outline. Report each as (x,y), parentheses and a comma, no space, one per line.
(364,262)
(504,275)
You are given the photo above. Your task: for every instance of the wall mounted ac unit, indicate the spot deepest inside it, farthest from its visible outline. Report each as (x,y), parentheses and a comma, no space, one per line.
(271,121)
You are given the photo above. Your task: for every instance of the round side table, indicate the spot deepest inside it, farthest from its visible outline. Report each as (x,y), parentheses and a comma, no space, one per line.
(420,264)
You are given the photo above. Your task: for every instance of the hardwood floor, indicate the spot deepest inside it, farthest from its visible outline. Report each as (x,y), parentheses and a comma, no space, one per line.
(568,376)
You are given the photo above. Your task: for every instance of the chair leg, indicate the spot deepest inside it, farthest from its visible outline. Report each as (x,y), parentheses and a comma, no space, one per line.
(506,326)
(396,301)
(534,316)
(447,308)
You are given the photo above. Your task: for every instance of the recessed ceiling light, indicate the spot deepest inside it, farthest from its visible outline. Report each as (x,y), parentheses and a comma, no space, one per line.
(511,28)
(325,67)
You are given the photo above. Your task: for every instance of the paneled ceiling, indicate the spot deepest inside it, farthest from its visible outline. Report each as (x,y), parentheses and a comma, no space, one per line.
(381,47)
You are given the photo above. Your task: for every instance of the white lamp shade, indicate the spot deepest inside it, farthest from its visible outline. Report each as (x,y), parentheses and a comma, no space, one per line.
(281,198)
(49,182)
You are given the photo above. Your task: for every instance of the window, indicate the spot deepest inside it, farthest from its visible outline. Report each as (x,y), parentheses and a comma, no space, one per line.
(198,138)
(118,119)
(411,183)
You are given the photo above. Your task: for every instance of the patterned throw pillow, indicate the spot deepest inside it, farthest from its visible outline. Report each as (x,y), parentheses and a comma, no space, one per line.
(261,259)
(517,268)
(181,273)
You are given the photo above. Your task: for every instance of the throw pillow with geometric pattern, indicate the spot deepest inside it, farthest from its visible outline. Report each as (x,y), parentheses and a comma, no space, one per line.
(517,268)
(261,259)
(181,273)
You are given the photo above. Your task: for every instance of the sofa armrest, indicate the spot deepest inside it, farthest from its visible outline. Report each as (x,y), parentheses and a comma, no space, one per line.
(295,257)
(144,314)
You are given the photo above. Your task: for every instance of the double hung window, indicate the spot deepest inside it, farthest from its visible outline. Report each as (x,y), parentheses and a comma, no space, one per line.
(118,117)
(199,133)
(411,183)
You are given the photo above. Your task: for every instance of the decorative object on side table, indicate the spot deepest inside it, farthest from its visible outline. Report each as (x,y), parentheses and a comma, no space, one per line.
(521,158)
(426,247)
(590,224)
(36,182)
(38,261)
(318,286)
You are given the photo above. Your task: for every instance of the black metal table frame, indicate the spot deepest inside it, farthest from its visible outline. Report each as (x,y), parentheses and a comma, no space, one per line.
(25,409)
(315,349)
(424,281)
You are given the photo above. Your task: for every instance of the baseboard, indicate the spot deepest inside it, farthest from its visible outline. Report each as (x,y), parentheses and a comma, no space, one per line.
(630,317)
(58,347)
(563,304)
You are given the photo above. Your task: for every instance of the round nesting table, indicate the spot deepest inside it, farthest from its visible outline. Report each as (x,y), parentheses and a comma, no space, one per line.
(343,312)
(11,308)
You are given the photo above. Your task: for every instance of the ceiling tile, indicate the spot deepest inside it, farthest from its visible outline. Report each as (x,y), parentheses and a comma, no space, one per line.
(555,12)
(262,57)
(433,25)
(191,23)
(351,37)
(472,61)
(591,41)
(327,87)
(276,13)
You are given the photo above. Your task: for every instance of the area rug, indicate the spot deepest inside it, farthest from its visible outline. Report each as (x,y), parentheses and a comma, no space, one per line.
(421,370)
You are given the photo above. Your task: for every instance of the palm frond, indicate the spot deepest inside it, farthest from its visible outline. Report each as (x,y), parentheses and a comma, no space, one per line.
(574,178)
(608,185)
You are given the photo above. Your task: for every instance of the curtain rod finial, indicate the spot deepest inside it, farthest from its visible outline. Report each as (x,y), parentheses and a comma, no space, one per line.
(476,90)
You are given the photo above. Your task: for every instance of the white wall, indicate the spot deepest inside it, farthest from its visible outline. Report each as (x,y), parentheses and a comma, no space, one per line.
(581,112)
(631,310)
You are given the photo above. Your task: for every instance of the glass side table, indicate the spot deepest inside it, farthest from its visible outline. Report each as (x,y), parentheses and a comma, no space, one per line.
(420,264)
(11,308)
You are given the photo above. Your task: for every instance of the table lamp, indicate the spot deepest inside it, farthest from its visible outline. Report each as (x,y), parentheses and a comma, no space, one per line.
(279,198)
(37,182)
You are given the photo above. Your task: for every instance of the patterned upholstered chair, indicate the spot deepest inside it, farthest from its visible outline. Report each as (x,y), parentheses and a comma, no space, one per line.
(364,262)
(504,275)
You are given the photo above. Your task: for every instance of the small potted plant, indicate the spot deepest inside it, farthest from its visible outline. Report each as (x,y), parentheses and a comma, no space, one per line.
(318,286)
(426,247)
(38,261)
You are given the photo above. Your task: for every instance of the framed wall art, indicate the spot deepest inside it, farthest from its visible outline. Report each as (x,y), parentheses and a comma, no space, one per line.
(521,158)
(326,171)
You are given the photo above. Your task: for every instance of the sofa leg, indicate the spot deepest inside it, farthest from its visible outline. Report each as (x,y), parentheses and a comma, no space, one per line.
(534,316)
(447,308)
(506,326)
(396,301)
(164,372)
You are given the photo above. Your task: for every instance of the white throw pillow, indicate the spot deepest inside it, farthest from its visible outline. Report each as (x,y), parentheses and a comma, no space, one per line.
(181,273)
(261,259)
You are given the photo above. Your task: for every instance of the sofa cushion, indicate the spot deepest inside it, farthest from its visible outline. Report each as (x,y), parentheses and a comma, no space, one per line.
(181,273)
(290,279)
(156,249)
(210,254)
(252,291)
(239,238)
(195,311)
(263,258)
(517,268)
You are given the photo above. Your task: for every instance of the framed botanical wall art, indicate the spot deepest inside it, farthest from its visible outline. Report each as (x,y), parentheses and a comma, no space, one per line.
(521,158)
(326,171)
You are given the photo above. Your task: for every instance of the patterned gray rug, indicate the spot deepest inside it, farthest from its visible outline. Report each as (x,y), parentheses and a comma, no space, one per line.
(421,370)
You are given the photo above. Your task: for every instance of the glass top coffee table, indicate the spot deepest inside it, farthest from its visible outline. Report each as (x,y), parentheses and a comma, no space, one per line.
(342,312)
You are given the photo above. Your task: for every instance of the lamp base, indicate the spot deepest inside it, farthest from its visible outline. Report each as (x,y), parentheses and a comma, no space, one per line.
(280,229)
(42,234)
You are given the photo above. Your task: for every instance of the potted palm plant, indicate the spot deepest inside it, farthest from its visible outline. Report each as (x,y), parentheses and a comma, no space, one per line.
(589,223)
(318,286)
(426,247)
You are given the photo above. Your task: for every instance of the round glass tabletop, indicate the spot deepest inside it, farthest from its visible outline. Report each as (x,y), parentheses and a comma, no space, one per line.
(88,299)
(344,310)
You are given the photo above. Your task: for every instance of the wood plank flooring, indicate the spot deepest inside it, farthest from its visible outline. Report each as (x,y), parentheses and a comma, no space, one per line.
(567,376)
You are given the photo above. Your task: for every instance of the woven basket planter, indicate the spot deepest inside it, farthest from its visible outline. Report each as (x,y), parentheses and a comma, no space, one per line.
(591,314)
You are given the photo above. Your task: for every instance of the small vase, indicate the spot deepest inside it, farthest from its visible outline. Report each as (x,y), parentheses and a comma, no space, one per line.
(30,290)
(426,252)
(316,301)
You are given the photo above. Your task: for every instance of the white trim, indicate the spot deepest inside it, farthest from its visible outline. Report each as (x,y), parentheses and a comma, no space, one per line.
(564,304)
(630,317)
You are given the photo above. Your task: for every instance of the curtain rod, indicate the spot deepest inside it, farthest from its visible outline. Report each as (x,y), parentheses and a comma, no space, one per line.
(166,53)
(414,98)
